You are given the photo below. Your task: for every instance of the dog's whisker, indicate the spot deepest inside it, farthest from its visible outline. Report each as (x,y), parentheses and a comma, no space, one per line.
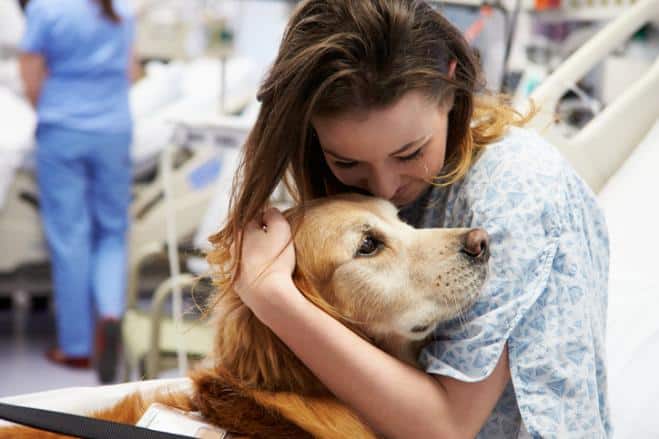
(460,312)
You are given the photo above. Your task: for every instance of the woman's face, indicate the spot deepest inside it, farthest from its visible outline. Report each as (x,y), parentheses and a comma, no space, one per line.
(391,152)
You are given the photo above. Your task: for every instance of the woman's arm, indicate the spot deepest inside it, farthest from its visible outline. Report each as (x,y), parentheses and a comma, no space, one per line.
(396,399)
(33,73)
(393,397)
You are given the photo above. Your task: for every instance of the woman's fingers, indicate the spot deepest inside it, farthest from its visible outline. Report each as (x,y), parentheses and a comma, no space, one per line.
(271,217)
(265,237)
(253,225)
(275,223)
(267,257)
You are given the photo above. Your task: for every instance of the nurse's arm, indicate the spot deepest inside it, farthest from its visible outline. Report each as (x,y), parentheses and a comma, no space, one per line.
(33,73)
(134,68)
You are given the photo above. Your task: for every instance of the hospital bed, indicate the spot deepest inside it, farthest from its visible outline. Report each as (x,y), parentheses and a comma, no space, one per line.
(155,339)
(617,154)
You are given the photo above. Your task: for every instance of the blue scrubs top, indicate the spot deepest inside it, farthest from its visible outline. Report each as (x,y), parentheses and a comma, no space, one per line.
(87,58)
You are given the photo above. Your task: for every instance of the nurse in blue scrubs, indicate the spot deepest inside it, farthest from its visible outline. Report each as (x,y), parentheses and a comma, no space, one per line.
(76,65)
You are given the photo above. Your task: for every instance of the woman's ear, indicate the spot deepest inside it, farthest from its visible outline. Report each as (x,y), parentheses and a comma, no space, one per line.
(451,68)
(449,100)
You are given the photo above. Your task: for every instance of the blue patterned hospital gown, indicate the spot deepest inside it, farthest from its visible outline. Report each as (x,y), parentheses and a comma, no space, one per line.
(546,295)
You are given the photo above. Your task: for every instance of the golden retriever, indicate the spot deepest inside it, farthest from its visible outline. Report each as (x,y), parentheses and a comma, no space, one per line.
(388,282)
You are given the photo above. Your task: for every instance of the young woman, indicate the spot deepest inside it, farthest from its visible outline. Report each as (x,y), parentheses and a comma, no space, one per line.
(384,97)
(76,65)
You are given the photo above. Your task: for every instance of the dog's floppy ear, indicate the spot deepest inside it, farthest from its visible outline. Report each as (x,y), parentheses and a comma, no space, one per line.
(253,354)
(323,301)
(312,292)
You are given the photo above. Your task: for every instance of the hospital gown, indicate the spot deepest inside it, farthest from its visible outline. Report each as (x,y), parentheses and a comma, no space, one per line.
(546,294)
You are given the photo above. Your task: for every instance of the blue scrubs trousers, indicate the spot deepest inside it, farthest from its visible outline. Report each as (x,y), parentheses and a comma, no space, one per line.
(84,183)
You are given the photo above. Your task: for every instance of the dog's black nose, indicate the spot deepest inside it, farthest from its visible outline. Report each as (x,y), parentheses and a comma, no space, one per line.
(476,244)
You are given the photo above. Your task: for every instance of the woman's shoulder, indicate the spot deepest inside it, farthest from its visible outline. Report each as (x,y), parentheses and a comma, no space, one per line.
(522,152)
(521,177)
(520,162)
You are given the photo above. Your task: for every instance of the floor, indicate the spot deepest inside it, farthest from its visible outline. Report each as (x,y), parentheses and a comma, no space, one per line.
(22,362)
(23,367)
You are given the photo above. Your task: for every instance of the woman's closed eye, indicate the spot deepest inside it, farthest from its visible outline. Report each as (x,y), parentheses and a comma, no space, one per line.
(345,164)
(409,157)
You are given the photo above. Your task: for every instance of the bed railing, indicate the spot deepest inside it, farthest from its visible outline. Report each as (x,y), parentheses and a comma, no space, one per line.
(600,147)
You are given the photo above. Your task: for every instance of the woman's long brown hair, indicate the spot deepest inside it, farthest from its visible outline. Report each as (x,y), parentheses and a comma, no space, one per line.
(108,11)
(345,55)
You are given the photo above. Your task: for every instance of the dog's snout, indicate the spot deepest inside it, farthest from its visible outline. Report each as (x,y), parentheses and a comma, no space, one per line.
(476,244)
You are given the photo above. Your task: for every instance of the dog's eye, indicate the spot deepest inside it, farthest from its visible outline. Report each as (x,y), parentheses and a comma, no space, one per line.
(369,246)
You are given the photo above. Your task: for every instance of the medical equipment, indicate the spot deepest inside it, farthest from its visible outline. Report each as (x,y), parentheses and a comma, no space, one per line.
(148,336)
(151,336)
(623,123)
(201,129)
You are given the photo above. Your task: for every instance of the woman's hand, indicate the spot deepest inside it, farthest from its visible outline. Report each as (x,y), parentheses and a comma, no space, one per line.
(268,260)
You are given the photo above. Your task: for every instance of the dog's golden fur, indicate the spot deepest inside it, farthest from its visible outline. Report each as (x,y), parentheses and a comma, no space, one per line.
(256,386)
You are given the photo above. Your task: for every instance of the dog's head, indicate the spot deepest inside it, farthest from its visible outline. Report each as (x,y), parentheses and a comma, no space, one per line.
(381,275)
(357,261)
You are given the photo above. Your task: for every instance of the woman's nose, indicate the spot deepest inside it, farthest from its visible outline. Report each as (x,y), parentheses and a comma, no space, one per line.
(383,185)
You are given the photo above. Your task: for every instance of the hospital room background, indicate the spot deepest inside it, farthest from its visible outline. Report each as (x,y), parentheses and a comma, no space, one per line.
(592,65)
